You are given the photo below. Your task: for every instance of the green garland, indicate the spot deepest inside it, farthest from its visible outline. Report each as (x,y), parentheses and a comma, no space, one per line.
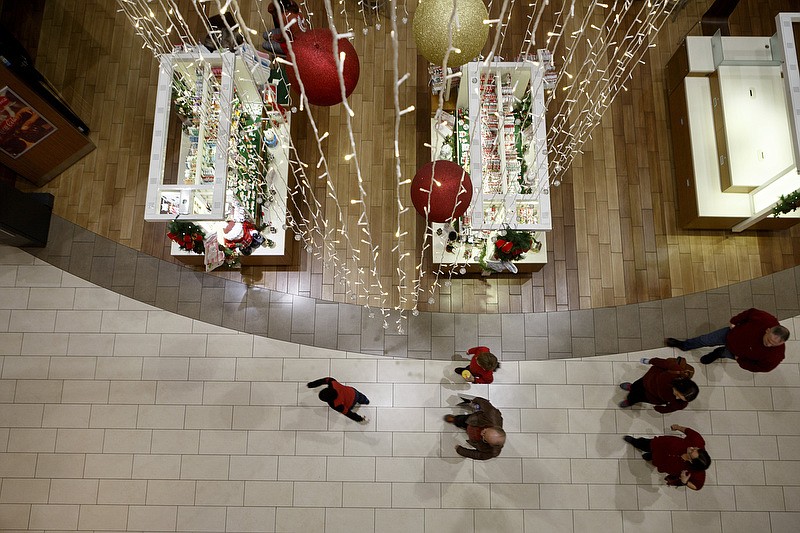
(522,111)
(787,204)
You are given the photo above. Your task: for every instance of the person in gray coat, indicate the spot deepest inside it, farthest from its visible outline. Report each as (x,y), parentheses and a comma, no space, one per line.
(484,429)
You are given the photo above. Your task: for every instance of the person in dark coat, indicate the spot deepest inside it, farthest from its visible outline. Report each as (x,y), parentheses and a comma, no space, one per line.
(484,429)
(666,384)
(683,459)
(754,339)
(341,398)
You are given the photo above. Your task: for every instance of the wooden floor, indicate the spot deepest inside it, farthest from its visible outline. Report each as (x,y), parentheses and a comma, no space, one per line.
(614,240)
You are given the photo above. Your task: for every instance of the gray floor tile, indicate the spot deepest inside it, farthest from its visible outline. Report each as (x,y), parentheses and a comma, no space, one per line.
(652,324)
(559,332)
(535,324)
(349,319)
(352,343)
(419,333)
(280,321)
(211,309)
(628,321)
(512,332)
(741,295)
(467,327)
(762,285)
(582,323)
(674,313)
(303,316)
(236,292)
(442,324)
(326,324)
(536,348)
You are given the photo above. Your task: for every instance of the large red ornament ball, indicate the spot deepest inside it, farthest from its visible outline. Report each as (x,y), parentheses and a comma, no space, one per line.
(313,50)
(450,190)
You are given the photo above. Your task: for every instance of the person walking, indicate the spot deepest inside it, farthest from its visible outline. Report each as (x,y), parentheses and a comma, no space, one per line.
(484,428)
(754,339)
(340,397)
(683,459)
(666,384)
(481,367)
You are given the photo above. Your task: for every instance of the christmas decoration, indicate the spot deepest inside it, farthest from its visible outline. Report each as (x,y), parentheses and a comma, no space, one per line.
(313,51)
(787,203)
(242,237)
(599,46)
(441,192)
(188,235)
(512,245)
(432,21)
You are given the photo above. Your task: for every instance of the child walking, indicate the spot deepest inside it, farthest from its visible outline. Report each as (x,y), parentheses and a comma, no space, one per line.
(340,397)
(481,367)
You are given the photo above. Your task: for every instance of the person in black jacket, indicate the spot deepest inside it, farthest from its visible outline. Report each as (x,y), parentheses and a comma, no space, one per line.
(341,397)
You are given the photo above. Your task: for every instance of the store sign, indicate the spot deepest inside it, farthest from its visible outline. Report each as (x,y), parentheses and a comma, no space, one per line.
(21,126)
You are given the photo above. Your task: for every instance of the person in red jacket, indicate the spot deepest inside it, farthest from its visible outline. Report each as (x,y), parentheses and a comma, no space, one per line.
(286,15)
(754,338)
(666,384)
(340,397)
(481,366)
(683,459)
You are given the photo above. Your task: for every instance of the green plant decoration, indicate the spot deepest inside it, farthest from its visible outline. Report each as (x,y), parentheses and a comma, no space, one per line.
(787,203)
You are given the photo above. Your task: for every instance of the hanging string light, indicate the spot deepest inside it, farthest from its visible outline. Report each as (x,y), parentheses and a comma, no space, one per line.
(597,45)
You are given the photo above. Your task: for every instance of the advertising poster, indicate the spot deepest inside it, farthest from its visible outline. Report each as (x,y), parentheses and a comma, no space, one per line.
(21,127)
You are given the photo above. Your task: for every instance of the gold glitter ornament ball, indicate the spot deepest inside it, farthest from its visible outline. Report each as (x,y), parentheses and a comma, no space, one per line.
(431,20)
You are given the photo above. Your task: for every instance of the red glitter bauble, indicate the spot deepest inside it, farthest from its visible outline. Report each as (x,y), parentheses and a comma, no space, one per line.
(313,50)
(450,190)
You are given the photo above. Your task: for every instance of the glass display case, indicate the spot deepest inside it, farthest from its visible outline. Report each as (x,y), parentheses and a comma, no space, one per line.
(221,143)
(500,119)
(498,132)
(197,90)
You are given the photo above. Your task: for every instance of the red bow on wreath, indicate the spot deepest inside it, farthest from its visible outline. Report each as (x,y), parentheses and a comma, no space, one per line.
(504,246)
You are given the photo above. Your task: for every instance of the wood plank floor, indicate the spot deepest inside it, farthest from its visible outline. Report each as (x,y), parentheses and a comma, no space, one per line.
(614,241)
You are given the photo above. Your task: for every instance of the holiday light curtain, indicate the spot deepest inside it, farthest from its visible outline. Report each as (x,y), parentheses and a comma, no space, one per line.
(595,46)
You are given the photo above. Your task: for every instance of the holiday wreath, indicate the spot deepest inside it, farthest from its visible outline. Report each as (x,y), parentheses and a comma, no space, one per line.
(511,244)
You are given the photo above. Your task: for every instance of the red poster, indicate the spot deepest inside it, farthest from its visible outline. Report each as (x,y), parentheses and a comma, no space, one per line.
(21,127)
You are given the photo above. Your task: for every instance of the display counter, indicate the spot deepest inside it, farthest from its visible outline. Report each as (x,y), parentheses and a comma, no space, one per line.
(731,133)
(220,149)
(497,131)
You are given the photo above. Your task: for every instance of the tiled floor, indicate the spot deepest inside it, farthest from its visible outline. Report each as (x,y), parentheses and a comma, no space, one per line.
(119,416)
(347,327)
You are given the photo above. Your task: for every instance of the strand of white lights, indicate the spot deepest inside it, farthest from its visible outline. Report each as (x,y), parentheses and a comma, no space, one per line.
(318,224)
(564,17)
(595,103)
(400,183)
(496,43)
(427,237)
(305,229)
(324,164)
(374,250)
(498,32)
(146,25)
(343,12)
(330,244)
